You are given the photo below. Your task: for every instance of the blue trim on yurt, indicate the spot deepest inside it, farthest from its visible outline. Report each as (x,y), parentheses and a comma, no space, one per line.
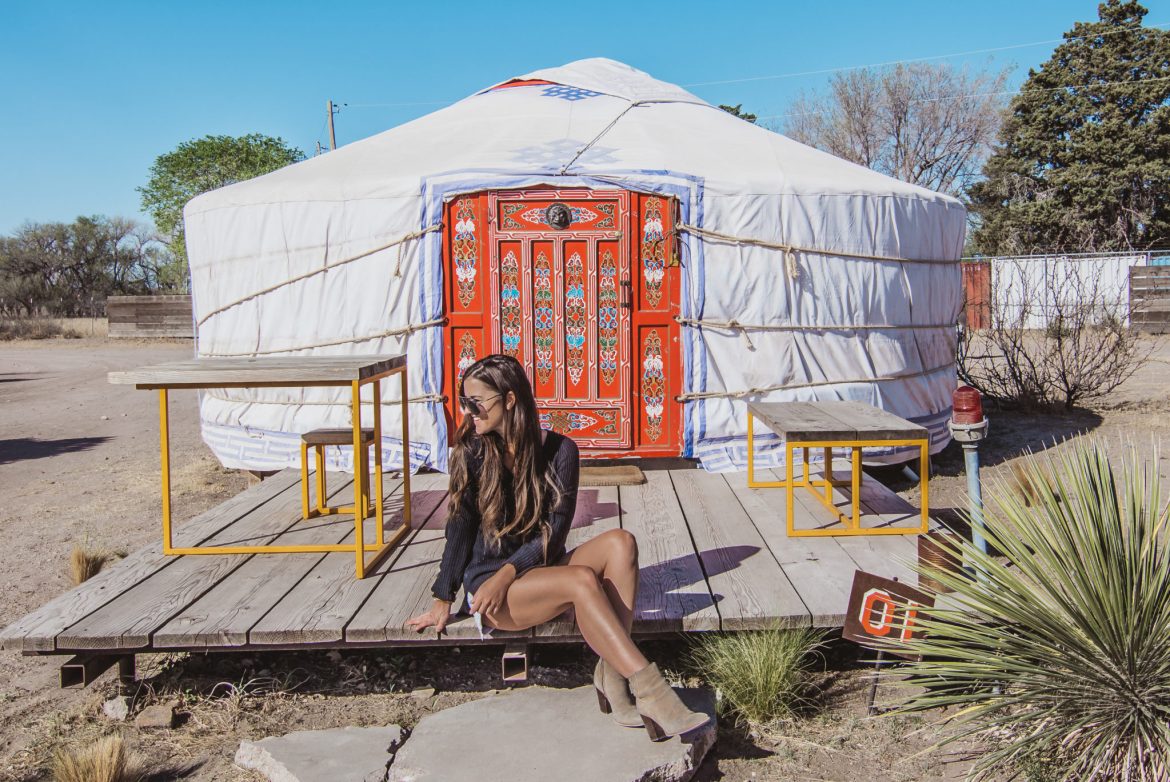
(435,189)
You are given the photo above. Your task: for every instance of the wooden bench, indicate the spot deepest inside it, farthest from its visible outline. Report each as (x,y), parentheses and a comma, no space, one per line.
(829,425)
(317,439)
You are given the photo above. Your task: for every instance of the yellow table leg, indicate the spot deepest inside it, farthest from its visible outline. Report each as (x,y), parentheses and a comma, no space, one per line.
(359,505)
(923,484)
(856,488)
(378,512)
(407,518)
(751,450)
(319,462)
(165,442)
(304,480)
(788,487)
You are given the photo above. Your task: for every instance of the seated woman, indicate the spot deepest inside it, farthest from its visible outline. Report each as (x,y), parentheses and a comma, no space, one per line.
(513,496)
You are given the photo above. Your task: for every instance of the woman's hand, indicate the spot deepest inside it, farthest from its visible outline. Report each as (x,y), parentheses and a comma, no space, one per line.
(437,617)
(489,598)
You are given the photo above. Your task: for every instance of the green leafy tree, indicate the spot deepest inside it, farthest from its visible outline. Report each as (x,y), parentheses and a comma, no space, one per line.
(204,164)
(1083,163)
(737,111)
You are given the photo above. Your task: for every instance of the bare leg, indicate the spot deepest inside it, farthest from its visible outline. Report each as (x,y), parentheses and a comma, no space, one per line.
(543,593)
(613,556)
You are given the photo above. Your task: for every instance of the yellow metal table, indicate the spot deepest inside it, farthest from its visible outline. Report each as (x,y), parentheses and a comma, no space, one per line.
(829,425)
(351,372)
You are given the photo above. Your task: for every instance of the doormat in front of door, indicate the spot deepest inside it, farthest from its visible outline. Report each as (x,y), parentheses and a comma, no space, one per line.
(612,475)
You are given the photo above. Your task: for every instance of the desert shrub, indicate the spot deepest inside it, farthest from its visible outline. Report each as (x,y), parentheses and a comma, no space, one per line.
(1057,338)
(761,675)
(30,328)
(1056,652)
(105,760)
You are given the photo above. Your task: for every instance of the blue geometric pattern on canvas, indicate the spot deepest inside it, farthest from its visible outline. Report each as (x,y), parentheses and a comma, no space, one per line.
(568,93)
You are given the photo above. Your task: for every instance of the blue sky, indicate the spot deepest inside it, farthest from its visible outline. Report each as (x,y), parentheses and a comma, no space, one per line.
(92,92)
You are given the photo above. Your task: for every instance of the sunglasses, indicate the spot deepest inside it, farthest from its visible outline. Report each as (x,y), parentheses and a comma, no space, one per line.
(473,406)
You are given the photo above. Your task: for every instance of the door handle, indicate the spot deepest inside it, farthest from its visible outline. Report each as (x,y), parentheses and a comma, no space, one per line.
(627,301)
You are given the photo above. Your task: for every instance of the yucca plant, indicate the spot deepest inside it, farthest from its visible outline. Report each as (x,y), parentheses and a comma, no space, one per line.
(1056,647)
(761,675)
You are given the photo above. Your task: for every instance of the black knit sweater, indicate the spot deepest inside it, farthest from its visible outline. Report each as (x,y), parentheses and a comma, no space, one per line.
(469,560)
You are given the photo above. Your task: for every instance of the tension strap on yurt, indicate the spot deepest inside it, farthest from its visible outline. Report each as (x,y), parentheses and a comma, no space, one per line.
(785,386)
(222,397)
(323,269)
(744,328)
(790,250)
(404,330)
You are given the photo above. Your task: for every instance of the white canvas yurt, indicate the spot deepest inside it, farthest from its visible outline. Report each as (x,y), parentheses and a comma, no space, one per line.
(651,259)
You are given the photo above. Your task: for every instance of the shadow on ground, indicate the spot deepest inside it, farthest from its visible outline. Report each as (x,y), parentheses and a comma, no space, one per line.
(23,448)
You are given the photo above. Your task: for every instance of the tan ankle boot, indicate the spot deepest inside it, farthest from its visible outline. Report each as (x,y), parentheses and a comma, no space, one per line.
(662,712)
(613,696)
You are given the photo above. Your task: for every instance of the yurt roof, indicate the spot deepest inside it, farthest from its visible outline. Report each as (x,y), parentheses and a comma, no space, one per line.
(598,118)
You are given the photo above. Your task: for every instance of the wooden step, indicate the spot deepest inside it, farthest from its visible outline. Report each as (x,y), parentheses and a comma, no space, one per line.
(335,437)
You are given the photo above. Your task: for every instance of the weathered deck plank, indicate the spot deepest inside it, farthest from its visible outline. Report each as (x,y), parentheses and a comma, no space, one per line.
(223,616)
(38,631)
(128,622)
(818,568)
(745,573)
(391,603)
(750,588)
(673,593)
(320,606)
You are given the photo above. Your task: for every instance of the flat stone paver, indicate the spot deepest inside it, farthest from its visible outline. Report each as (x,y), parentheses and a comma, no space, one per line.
(539,734)
(337,755)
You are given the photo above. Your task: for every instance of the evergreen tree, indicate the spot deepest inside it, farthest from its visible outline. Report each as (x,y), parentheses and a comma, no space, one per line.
(1083,163)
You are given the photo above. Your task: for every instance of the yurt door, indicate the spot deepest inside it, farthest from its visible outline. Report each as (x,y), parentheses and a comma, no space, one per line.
(581,287)
(560,301)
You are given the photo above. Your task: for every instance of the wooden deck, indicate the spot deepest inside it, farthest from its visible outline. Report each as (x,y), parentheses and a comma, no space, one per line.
(714,556)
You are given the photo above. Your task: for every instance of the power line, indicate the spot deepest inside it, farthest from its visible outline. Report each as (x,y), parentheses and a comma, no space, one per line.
(941,98)
(823,71)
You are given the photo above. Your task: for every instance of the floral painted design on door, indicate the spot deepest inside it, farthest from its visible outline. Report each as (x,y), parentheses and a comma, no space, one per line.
(463,249)
(607,318)
(511,320)
(466,352)
(542,311)
(653,384)
(576,318)
(653,251)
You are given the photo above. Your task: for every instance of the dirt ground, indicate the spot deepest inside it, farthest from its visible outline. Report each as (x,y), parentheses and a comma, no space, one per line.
(79,464)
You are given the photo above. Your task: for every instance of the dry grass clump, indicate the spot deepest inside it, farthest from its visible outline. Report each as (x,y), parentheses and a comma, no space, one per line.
(30,328)
(762,676)
(85,563)
(105,760)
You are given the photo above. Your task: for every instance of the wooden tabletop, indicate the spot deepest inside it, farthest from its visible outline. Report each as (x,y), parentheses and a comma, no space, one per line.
(812,421)
(263,371)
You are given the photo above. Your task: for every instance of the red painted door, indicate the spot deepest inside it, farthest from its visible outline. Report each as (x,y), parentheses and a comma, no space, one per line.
(561,305)
(584,296)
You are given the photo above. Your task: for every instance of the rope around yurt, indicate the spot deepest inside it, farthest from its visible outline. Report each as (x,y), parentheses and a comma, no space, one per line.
(222,397)
(790,250)
(756,391)
(405,330)
(397,273)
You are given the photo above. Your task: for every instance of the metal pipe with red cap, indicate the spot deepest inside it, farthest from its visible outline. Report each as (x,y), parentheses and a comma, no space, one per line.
(969,426)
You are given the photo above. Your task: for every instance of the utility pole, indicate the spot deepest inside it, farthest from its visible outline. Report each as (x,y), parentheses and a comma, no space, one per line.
(332,137)
(318,147)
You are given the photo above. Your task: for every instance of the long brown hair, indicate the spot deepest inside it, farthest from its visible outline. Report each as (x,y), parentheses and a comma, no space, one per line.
(534,483)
